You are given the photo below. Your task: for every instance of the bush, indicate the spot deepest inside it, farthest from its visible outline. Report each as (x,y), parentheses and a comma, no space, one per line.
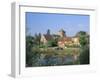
(84,55)
(31,56)
(52,43)
(29,45)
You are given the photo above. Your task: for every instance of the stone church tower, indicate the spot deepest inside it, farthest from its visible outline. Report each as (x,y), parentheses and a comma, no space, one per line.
(62,33)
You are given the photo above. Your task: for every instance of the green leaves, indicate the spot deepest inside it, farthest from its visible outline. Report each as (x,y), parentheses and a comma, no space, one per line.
(84,55)
(83,40)
(52,43)
(84,49)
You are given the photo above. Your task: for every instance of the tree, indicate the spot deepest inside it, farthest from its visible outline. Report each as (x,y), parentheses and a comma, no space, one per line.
(52,43)
(37,38)
(84,55)
(29,45)
(32,57)
(84,49)
(80,33)
(83,40)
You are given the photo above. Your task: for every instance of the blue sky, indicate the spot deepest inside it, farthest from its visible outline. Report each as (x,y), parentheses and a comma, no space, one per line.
(71,23)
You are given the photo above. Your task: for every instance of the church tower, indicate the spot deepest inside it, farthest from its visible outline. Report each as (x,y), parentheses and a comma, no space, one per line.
(48,32)
(62,33)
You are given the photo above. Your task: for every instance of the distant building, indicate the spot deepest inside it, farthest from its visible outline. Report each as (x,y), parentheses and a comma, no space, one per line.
(46,37)
(68,41)
(62,33)
(63,40)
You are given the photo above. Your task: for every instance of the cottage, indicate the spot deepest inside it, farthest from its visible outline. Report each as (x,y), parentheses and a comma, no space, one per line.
(45,38)
(63,42)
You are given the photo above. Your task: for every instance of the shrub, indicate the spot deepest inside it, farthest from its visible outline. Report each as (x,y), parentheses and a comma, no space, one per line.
(84,55)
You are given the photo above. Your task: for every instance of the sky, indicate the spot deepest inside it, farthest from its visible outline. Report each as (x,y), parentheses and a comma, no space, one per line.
(41,22)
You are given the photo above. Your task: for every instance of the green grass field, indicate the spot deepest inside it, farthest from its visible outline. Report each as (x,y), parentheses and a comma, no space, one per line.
(66,51)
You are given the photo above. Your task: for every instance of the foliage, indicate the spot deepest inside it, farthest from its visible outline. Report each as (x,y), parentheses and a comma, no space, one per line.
(37,38)
(84,55)
(83,40)
(52,43)
(31,56)
(80,33)
(29,42)
(84,49)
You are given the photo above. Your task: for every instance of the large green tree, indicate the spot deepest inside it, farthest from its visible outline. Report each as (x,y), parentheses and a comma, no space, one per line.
(84,49)
(32,56)
(37,38)
(84,56)
(29,45)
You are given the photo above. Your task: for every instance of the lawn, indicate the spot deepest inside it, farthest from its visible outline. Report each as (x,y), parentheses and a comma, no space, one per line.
(70,51)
